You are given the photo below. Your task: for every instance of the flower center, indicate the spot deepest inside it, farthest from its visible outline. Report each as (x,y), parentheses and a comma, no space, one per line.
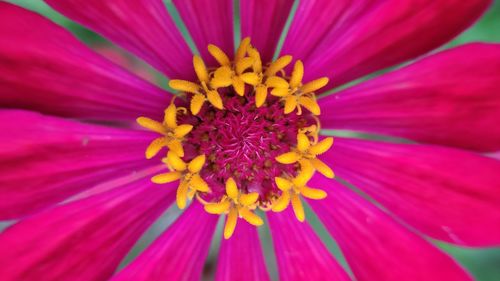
(239,138)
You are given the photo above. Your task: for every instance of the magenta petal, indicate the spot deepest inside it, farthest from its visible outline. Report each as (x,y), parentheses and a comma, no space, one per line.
(351,39)
(209,22)
(143,27)
(44,68)
(47,159)
(263,21)
(448,194)
(375,246)
(240,257)
(316,19)
(179,253)
(300,253)
(82,240)
(450,98)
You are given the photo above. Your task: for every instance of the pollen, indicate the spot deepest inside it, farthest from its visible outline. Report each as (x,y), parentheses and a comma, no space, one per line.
(242,137)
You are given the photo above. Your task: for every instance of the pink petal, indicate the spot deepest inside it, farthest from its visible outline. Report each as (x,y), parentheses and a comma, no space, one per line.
(47,159)
(450,98)
(375,246)
(143,27)
(240,258)
(351,39)
(313,20)
(448,194)
(43,67)
(209,22)
(263,21)
(179,253)
(82,240)
(300,253)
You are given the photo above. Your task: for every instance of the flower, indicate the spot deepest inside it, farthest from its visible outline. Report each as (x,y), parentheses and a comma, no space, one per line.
(93,155)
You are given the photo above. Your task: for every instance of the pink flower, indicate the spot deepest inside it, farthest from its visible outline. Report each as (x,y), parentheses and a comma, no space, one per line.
(75,178)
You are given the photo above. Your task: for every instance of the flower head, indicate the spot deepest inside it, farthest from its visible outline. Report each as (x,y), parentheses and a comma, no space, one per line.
(242,135)
(92,155)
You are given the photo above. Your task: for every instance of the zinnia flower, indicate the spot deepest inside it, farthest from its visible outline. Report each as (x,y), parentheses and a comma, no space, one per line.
(239,136)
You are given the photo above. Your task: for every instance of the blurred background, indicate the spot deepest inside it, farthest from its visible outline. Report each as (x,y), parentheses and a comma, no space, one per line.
(484,264)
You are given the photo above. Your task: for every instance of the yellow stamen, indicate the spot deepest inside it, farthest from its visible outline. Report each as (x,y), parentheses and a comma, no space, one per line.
(312,193)
(219,55)
(196,164)
(297,74)
(298,209)
(288,158)
(276,82)
(184,86)
(181,196)
(170,118)
(314,85)
(176,162)
(277,65)
(218,208)
(322,146)
(215,99)
(282,202)
(321,167)
(151,125)
(166,177)
(310,104)
(232,189)
(232,217)
(200,69)
(197,102)
(242,49)
(260,95)
(154,147)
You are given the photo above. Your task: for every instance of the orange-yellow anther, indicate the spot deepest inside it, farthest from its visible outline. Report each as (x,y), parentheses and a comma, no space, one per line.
(306,153)
(172,134)
(291,189)
(235,204)
(188,173)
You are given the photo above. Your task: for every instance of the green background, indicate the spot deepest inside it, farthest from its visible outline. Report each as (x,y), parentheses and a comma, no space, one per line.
(484,264)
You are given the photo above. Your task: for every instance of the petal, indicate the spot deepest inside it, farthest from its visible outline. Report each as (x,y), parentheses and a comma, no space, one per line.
(43,67)
(377,247)
(209,22)
(198,183)
(197,164)
(450,98)
(175,161)
(232,189)
(350,39)
(448,194)
(288,158)
(298,207)
(263,22)
(84,239)
(46,159)
(182,130)
(217,208)
(240,258)
(261,95)
(215,99)
(321,167)
(248,199)
(231,220)
(179,253)
(302,255)
(282,202)
(143,27)
(197,102)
